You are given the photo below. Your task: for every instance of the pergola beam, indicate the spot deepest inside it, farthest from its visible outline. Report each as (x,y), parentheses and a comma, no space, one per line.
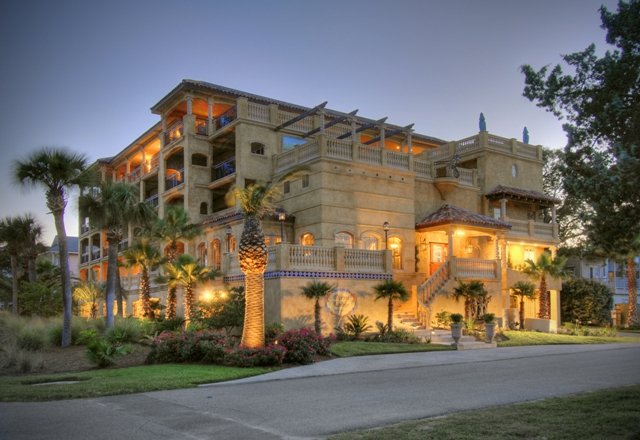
(388,134)
(301,116)
(364,127)
(331,124)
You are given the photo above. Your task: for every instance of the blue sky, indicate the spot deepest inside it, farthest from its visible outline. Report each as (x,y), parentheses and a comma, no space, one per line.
(83,74)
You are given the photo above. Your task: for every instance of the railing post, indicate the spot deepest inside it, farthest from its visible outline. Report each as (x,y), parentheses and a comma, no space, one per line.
(282,257)
(339,252)
(514,145)
(355,147)
(388,261)
(531,227)
(322,144)
(242,108)
(453,267)
(273,114)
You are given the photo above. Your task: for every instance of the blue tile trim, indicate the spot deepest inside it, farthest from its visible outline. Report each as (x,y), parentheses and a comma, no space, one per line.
(304,274)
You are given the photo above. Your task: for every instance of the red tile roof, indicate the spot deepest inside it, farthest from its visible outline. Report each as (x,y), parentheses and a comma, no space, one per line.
(449,214)
(509,192)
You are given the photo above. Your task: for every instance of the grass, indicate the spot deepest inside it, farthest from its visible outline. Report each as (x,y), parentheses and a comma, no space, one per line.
(598,415)
(360,348)
(519,338)
(118,381)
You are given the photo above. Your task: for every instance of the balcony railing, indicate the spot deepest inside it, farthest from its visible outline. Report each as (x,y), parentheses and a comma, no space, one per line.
(330,259)
(152,201)
(174,133)
(201,126)
(485,141)
(123,245)
(174,180)
(227,117)
(531,228)
(135,174)
(475,268)
(84,228)
(223,169)
(84,258)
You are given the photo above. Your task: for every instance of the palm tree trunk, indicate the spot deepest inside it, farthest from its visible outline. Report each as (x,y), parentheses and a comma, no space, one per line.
(144,293)
(632,288)
(171,302)
(253,329)
(112,276)
(58,215)
(14,284)
(318,324)
(390,314)
(188,303)
(119,302)
(31,269)
(544,299)
(522,313)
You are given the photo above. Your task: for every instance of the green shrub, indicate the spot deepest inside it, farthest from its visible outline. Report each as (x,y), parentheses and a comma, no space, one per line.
(456,318)
(191,346)
(272,331)
(170,325)
(586,301)
(103,353)
(443,319)
(397,336)
(356,325)
(54,330)
(125,330)
(488,318)
(303,344)
(32,339)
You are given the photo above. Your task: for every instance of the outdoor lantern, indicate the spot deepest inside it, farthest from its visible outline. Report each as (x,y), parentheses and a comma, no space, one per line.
(385,227)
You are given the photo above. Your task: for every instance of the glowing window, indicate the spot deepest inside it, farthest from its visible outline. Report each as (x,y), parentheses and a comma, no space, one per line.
(344,239)
(395,246)
(290,142)
(307,239)
(370,242)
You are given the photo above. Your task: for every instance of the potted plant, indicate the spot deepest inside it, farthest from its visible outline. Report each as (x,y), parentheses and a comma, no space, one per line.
(489,326)
(456,326)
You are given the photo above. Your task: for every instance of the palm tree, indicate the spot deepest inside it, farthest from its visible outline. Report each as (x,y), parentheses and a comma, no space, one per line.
(175,226)
(171,276)
(545,266)
(16,233)
(112,208)
(316,290)
(190,274)
(255,201)
(58,171)
(144,255)
(393,291)
(32,246)
(475,297)
(523,289)
(89,292)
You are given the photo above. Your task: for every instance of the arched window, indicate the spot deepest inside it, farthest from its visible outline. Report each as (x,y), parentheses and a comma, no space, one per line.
(231,243)
(344,239)
(203,257)
(203,208)
(257,148)
(215,254)
(179,249)
(307,239)
(199,159)
(514,170)
(395,246)
(370,242)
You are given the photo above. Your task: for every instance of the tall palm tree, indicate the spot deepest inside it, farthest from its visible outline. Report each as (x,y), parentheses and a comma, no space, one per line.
(89,292)
(32,246)
(16,233)
(190,274)
(112,208)
(474,294)
(255,201)
(545,266)
(171,275)
(523,289)
(316,290)
(175,226)
(57,171)
(147,257)
(393,291)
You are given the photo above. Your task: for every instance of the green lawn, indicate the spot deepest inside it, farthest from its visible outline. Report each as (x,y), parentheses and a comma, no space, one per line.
(118,381)
(518,338)
(609,414)
(360,348)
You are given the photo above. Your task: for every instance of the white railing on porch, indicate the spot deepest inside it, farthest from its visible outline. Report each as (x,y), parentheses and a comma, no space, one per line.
(432,285)
(360,260)
(476,268)
(312,257)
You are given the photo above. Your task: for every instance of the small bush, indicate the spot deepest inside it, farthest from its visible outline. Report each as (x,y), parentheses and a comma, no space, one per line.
(271,355)
(162,325)
(456,318)
(31,339)
(191,346)
(103,353)
(443,319)
(488,318)
(303,344)
(398,336)
(356,325)
(125,330)
(54,330)
(272,332)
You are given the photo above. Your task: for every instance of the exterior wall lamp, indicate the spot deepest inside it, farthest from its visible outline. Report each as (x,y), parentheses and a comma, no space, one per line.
(282,216)
(229,231)
(385,227)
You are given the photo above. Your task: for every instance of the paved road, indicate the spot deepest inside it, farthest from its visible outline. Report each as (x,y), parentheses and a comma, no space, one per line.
(334,396)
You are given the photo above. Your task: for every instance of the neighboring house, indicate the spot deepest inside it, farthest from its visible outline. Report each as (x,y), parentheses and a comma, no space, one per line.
(610,273)
(53,255)
(376,201)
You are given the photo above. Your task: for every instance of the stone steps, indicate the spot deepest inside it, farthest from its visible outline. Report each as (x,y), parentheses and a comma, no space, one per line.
(409,322)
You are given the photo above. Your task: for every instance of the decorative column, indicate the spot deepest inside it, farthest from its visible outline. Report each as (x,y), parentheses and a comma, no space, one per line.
(210,116)
(189,100)
(409,141)
(503,209)
(321,114)
(163,135)
(453,272)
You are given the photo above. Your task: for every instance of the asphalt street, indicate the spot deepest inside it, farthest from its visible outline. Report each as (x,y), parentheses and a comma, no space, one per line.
(334,396)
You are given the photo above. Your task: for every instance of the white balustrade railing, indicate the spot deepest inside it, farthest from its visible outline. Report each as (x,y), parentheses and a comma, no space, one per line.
(258,112)
(476,268)
(370,155)
(339,149)
(432,285)
(422,168)
(466,176)
(397,160)
(312,257)
(303,125)
(531,228)
(308,151)
(338,130)
(361,260)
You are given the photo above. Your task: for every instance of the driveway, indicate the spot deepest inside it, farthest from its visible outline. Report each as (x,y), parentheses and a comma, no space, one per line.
(334,396)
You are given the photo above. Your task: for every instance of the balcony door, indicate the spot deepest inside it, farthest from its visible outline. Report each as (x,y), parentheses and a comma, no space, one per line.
(439,252)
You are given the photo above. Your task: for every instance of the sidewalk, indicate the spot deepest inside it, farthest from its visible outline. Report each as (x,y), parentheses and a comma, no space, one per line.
(359,364)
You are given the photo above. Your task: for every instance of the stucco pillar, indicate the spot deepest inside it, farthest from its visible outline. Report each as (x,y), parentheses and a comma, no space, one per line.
(189,100)
(382,136)
(273,114)
(210,116)
(503,209)
(163,134)
(355,137)
(450,233)
(409,142)
(321,115)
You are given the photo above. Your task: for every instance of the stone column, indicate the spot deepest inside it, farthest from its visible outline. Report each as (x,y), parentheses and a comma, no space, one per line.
(210,128)
(503,209)
(189,100)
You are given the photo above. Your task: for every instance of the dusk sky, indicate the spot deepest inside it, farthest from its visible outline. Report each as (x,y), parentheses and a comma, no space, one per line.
(84,74)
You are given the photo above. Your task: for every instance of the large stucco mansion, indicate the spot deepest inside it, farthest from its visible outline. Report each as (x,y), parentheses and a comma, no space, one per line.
(376,201)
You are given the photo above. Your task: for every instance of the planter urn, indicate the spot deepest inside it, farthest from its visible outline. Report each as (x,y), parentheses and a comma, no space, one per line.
(490,331)
(456,331)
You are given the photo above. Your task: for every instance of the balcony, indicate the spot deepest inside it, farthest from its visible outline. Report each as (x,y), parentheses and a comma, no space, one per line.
(84,258)
(152,201)
(223,169)
(123,245)
(485,141)
(135,174)
(316,258)
(531,228)
(201,127)
(174,180)
(174,133)
(226,118)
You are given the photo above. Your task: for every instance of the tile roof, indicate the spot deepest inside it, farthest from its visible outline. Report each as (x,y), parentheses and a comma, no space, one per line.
(449,214)
(523,194)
